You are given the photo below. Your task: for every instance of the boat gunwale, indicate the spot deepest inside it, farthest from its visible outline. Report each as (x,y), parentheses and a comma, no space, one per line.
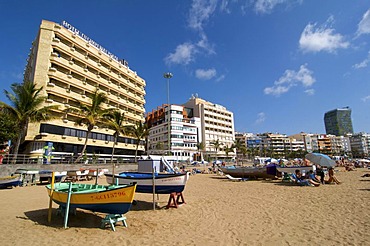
(167,175)
(86,190)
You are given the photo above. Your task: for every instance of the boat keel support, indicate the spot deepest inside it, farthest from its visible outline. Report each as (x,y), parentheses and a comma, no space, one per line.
(176,199)
(112,219)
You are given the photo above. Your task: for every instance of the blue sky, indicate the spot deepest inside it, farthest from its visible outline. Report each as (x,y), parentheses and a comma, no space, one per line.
(279,65)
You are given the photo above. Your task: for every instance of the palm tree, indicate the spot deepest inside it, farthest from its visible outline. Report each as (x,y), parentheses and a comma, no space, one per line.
(91,115)
(238,145)
(244,152)
(227,150)
(159,147)
(8,132)
(200,148)
(216,145)
(26,107)
(115,121)
(139,131)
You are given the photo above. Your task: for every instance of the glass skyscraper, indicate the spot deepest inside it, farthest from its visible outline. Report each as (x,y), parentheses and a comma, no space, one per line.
(338,121)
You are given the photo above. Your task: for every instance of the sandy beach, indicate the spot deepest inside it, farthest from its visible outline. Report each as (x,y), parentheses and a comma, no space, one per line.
(217,212)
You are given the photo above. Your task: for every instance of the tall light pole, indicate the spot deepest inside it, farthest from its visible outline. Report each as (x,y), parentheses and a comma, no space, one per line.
(168,76)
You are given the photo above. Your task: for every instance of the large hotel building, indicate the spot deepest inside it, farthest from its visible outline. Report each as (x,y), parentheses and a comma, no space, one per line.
(217,123)
(177,134)
(70,66)
(196,121)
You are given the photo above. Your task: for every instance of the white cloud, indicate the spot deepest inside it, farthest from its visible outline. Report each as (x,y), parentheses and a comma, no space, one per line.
(310,92)
(276,90)
(266,6)
(261,117)
(200,12)
(364,63)
(220,78)
(364,25)
(205,45)
(365,98)
(183,54)
(292,78)
(224,6)
(322,38)
(205,74)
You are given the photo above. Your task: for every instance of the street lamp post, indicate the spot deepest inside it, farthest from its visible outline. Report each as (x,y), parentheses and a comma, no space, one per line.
(168,76)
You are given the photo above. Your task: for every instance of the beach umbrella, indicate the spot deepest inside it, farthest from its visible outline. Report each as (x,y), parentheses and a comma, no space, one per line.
(320,159)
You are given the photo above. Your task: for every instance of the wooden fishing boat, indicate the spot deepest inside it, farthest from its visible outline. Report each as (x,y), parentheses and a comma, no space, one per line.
(110,199)
(165,183)
(29,176)
(265,172)
(10,181)
(46,175)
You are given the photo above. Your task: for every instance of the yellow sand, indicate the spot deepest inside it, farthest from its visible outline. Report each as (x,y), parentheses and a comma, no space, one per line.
(217,212)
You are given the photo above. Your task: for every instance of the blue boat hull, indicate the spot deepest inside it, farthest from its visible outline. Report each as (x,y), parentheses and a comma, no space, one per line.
(111,208)
(10,184)
(164,183)
(160,189)
(10,181)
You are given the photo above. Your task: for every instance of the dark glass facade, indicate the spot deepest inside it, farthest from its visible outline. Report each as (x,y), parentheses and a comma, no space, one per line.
(338,122)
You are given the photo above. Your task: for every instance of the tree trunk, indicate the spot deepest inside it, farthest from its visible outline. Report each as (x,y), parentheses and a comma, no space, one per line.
(137,146)
(18,143)
(84,148)
(16,148)
(111,159)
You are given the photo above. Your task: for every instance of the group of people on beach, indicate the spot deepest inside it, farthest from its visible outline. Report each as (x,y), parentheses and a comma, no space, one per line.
(315,179)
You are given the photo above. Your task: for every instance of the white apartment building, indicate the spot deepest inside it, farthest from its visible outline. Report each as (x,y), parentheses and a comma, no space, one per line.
(329,144)
(177,136)
(340,145)
(296,145)
(274,144)
(70,66)
(360,144)
(217,123)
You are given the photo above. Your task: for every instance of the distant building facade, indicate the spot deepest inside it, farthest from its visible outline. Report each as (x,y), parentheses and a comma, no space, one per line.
(360,144)
(274,144)
(69,67)
(176,135)
(217,123)
(323,143)
(338,122)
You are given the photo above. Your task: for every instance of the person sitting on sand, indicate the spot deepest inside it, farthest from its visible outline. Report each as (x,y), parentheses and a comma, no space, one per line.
(300,180)
(312,176)
(332,177)
(320,172)
(349,167)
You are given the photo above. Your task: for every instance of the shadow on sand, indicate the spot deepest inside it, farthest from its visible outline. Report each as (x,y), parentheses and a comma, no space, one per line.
(82,218)
(138,205)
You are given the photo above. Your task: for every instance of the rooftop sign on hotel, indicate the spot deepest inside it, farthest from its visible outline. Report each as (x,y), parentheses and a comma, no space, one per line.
(92,42)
